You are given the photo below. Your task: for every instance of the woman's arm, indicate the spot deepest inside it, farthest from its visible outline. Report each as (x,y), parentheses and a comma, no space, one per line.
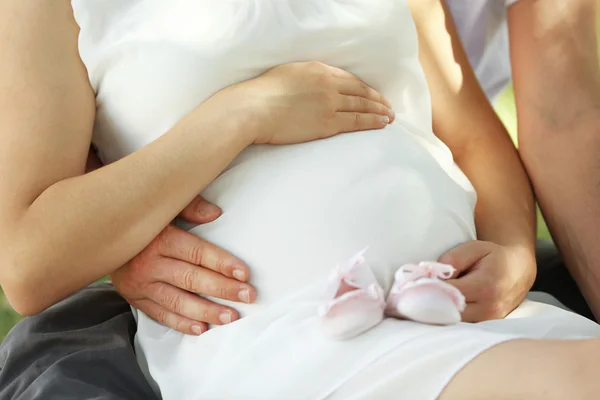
(554,53)
(60,229)
(465,121)
(162,281)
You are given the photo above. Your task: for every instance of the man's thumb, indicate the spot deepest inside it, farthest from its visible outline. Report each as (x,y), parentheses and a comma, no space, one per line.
(200,211)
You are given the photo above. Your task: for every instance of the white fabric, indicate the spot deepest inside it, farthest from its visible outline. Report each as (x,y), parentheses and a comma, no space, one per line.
(483,30)
(293,212)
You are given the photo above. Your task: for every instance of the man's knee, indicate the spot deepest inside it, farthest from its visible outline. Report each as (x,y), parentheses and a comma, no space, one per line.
(92,329)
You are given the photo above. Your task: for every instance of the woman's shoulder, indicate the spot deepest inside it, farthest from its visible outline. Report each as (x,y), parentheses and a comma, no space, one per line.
(39,31)
(37,15)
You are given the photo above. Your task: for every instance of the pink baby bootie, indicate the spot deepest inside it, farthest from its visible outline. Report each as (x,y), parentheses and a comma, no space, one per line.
(420,294)
(354,301)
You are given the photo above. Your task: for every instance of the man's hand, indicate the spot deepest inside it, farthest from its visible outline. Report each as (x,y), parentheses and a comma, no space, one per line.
(162,280)
(494,279)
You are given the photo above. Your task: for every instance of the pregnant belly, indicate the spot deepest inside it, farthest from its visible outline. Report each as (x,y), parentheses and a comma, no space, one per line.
(293,212)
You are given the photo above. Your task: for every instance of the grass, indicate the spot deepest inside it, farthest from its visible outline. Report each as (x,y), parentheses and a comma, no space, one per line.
(8,318)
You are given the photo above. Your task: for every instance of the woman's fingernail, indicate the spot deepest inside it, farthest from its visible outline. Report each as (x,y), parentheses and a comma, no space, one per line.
(197,329)
(225,317)
(244,295)
(239,274)
(385,120)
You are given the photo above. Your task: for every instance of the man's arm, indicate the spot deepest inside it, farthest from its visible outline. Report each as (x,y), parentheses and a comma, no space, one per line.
(466,122)
(163,279)
(557,88)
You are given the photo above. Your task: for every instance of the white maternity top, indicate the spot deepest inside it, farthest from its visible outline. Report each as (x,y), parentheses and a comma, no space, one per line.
(293,212)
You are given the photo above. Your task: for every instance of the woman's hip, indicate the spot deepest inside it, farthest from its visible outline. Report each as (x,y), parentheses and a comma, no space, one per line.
(283,353)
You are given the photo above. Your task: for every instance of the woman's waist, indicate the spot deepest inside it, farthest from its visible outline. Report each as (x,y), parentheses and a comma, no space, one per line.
(292,243)
(293,212)
(321,199)
(351,168)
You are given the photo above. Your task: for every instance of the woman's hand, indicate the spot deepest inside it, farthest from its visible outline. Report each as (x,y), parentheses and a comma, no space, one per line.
(301,102)
(494,279)
(162,280)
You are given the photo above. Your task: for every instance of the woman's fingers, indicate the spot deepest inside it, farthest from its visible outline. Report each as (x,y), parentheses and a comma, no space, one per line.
(204,281)
(355,121)
(365,106)
(338,72)
(189,305)
(478,312)
(360,106)
(356,87)
(184,246)
(170,319)
(473,313)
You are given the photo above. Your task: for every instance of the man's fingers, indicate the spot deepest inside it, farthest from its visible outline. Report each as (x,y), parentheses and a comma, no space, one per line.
(204,281)
(181,245)
(465,255)
(189,305)
(170,319)
(200,211)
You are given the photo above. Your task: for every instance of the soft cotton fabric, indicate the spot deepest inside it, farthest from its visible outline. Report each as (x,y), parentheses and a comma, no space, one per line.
(292,212)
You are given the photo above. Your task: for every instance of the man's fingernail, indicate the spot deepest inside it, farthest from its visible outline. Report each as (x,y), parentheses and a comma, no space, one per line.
(206,210)
(225,317)
(197,329)
(239,274)
(244,295)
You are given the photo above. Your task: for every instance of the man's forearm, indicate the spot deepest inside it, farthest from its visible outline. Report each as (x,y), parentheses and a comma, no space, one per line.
(557,89)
